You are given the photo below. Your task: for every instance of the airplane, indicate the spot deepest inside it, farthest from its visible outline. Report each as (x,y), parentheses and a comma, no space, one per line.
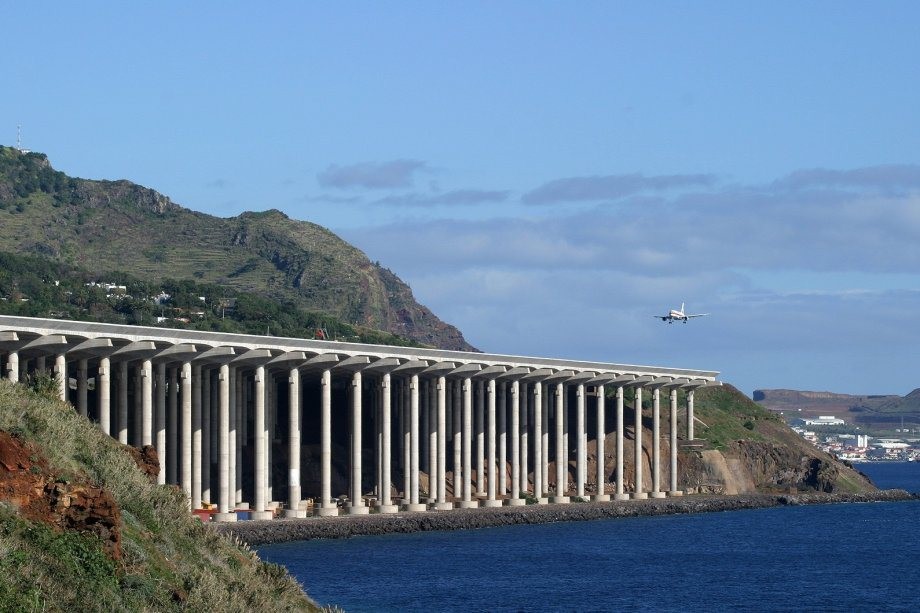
(678,315)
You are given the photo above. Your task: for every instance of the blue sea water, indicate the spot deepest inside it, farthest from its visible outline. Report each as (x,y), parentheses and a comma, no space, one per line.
(844,557)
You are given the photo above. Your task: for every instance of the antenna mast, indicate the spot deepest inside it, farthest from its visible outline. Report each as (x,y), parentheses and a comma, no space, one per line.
(19,137)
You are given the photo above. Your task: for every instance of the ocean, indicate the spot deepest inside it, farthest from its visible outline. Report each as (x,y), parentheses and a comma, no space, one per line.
(842,557)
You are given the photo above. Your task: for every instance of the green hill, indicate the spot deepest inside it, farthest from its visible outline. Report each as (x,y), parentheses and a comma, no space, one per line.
(104,227)
(82,528)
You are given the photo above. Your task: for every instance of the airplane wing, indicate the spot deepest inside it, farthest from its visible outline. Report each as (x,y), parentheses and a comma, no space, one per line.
(697,315)
(661,317)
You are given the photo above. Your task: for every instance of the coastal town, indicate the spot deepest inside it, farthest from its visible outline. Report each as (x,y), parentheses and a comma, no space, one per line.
(854,446)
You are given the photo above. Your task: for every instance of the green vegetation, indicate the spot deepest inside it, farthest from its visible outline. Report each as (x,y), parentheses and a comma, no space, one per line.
(728,415)
(170,560)
(33,286)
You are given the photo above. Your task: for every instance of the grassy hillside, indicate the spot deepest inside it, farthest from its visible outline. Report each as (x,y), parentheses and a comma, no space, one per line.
(110,226)
(168,560)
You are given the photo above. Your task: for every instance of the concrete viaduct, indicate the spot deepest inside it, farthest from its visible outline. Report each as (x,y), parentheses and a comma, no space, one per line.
(230,415)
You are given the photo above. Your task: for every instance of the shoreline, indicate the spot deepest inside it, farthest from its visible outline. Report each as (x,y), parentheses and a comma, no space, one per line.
(312,528)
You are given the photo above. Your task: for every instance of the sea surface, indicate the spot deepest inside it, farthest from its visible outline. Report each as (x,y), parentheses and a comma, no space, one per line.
(840,557)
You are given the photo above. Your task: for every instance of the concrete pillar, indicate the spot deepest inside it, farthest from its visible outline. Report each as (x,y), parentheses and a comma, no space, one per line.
(515,499)
(160,420)
(656,444)
(82,387)
(236,446)
(406,441)
(457,438)
(545,442)
(524,395)
(442,504)
(480,438)
(672,490)
(581,453)
(271,414)
(226,511)
(425,441)
(562,473)
(539,453)
(433,470)
(467,502)
(490,496)
(414,504)
(137,435)
(386,392)
(104,395)
(196,435)
(620,492)
(207,424)
(40,364)
(601,495)
(12,366)
(260,478)
(294,497)
(146,375)
(123,403)
(185,422)
(327,506)
(638,493)
(357,506)
(690,417)
(172,429)
(502,439)
(60,372)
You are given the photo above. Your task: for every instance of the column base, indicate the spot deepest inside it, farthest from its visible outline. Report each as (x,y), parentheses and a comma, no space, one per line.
(491,503)
(358,510)
(674,493)
(274,504)
(468,504)
(327,511)
(262,515)
(242,506)
(621,497)
(542,500)
(515,502)
(639,495)
(387,508)
(224,517)
(658,494)
(559,499)
(443,506)
(601,498)
(294,513)
(419,507)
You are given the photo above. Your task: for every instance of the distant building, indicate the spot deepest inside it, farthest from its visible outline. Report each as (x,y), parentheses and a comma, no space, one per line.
(823,420)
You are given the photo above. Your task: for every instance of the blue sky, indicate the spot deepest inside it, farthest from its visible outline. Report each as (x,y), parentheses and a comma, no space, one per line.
(545,175)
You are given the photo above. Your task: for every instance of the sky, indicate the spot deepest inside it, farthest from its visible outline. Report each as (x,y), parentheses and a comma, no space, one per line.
(546,176)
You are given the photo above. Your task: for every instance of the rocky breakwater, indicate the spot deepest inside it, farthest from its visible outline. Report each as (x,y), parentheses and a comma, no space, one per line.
(278,531)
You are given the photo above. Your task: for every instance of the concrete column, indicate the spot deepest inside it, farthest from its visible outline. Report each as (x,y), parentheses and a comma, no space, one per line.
(457,438)
(539,484)
(620,493)
(468,502)
(260,480)
(673,491)
(515,499)
(82,387)
(414,504)
(60,371)
(357,501)
(638,493)
(425,441)
(206,427)
(327,506)
(40,364)
(545,442)
(271,414)
(294,497)
(160,420)
(406,442)
(386,503)
(690,416)
(12,366)
(433,470)
(480,438)
(236,445)
(185,421)
(502,439)
(123,403)
(172,428)
(442,504)
(104,394)
(490,497)
(581,453)
(524,395)
(601,495)
(562,473)
(146,402)
(656,444)
(226,511)
(196,435)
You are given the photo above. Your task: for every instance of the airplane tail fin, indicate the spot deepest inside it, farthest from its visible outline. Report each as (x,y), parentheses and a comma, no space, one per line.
(681,307)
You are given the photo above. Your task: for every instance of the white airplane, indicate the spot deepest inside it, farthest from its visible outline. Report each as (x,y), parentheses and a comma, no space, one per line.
(678,315)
